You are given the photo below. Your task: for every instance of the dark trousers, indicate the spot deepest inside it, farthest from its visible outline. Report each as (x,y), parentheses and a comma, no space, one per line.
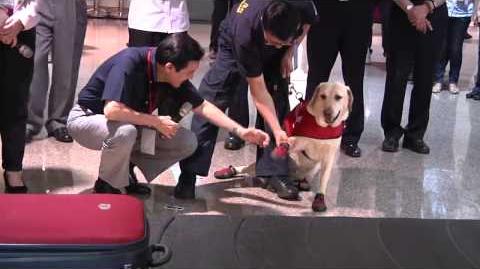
(411,49)
(477,83)
(385,7)
(219,86)
(238,109)
(139,38)
(344,27)
(220,10)
(452,49)
(15,78)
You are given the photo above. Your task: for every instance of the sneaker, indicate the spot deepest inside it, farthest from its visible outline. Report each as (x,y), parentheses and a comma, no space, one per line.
(437,87)
(453,88)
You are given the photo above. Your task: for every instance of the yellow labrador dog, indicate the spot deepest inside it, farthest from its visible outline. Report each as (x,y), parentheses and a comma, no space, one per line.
(313,149)
(315,129)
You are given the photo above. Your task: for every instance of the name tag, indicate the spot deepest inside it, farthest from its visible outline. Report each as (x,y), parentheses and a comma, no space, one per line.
(147,141)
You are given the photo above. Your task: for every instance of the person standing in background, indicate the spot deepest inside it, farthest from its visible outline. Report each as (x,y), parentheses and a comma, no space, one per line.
(61,32)
(343,27)
(416,30)
(15,77)
(150,21)
(459,16)
(475,92)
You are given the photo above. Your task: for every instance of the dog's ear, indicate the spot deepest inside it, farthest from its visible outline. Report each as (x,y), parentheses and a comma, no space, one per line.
(313,100)
(350,99)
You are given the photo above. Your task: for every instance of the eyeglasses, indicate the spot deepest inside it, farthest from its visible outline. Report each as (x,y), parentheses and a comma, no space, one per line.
(273,41)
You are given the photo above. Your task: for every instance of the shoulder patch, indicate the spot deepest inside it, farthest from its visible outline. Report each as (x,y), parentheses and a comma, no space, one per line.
(242,6)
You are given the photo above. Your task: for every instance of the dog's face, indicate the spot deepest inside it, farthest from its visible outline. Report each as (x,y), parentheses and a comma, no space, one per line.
(331,104)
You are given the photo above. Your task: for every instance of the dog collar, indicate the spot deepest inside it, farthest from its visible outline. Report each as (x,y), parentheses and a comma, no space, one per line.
(299,122)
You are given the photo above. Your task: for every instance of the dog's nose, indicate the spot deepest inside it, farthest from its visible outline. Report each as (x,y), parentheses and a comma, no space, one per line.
(328,113)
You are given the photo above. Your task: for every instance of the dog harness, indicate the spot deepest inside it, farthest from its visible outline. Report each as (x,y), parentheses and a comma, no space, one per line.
(299,122)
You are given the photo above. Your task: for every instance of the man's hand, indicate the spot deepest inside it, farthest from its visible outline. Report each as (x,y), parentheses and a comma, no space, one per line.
(9,31)
(286,66)
(253,136)
(418,18)
(166,126)
(280,137)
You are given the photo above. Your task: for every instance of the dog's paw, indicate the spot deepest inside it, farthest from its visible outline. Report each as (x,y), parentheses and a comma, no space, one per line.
(318,204)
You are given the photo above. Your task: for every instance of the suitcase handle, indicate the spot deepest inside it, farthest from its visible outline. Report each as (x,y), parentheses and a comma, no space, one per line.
(167,254)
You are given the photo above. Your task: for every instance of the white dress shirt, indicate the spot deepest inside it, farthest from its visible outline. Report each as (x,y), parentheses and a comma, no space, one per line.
(162,16)
(24,10)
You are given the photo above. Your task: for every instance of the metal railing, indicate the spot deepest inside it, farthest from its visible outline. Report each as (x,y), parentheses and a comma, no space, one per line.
(97,10)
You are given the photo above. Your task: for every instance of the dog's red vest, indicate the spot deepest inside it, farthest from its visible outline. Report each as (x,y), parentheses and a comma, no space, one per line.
(299,122)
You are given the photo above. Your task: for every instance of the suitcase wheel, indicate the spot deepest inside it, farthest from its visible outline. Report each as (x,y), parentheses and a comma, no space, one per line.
(164,257)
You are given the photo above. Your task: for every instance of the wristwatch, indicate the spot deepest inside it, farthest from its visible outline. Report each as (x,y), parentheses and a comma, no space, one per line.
(409,7)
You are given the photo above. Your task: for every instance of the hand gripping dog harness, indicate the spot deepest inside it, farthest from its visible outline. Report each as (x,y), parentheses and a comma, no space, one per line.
(299,122)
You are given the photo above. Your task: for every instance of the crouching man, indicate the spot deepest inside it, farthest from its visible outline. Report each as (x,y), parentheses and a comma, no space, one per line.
(114,113)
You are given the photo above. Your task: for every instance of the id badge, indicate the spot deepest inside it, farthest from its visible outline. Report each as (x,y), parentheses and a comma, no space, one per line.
(147,141)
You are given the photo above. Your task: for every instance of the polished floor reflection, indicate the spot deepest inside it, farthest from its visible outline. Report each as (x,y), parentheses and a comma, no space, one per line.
(444,184)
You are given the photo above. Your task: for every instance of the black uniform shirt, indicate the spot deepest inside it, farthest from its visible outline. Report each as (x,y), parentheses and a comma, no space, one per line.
(245,31)
(123,78)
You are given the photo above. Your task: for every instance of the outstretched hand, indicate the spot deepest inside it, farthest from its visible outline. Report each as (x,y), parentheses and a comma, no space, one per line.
(254,136)
(280,137)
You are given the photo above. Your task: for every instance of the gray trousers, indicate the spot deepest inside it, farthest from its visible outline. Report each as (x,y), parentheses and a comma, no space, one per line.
(61,31)
(119,143)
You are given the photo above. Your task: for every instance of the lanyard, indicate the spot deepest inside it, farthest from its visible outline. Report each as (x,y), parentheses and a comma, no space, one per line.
(152,93)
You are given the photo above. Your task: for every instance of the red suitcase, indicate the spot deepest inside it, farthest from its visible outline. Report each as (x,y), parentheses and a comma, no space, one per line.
(75,231)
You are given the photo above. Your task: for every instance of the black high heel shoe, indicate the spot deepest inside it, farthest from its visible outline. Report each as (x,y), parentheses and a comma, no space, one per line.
(13,189)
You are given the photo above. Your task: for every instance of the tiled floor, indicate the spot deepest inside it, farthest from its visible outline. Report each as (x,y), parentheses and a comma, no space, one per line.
(444,184)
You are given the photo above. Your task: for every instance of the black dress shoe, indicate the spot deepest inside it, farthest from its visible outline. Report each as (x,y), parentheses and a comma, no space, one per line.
(234,143)
(472,94)
(101,186)
(61,135)
(13,189)
(476,97)
(416,145)
(185,188)
(284,187)
(352,150)
(134,187)
(390,144)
